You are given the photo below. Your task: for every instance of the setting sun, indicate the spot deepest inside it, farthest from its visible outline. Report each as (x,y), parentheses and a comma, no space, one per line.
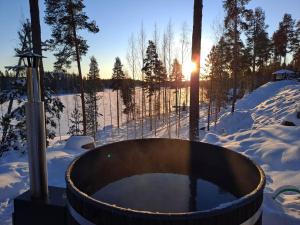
(187,69)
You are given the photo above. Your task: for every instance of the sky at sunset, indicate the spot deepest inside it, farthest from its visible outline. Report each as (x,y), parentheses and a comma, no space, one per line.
(119,19)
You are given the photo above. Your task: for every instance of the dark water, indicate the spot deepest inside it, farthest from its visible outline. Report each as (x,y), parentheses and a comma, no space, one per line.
(164,192)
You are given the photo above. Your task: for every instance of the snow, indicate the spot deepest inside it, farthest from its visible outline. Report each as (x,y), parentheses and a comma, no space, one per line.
(283,71)
(254,130)
(77,142)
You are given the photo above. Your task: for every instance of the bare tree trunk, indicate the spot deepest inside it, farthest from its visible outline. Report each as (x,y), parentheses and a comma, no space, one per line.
(210,103)
(179,112)
(158,105)
(110,111)
(155,113)
(194,81)
(164,53)
(176,110)
(142,38)
(169,47)
(186,94)
(118,117)
(141,116)
(80,74)
(208,115)
(104,114)
(150,111)
(235,60)
(127,122)
(95,112)
(169,113)
(132,62)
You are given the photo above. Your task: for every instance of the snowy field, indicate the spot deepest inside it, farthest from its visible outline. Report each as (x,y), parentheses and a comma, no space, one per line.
(254,129)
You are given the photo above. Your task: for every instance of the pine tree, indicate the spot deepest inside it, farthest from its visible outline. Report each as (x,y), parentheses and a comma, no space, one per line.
(13,122)
(279,40)
(296,44)
(154,74)
(53,107)
(67,18)
(24,36)
(284,37)
(76,119)
(287,26)
(257,41)
(127,94)
(161,79)
(91,98)
(234,23)
(216,68)
(118,77)
(176,77)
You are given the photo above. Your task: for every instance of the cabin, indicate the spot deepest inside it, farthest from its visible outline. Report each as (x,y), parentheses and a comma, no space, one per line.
(284,75)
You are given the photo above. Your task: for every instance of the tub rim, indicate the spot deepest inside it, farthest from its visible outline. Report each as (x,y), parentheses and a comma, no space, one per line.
(223,208)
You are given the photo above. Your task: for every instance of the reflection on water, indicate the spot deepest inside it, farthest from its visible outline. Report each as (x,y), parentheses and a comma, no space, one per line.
(164,192)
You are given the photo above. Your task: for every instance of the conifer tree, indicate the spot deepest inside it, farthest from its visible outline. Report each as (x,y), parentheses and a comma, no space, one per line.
(161,79)
(257,41)
(142,48)
(284,38)
(76,119)
(118,77)
(91,98)
(13,121)
(176,77)
(234,23)
(127,94)
(279,40)
(287,26)
(296,44)
(216,71)
(154,74)
(67,18)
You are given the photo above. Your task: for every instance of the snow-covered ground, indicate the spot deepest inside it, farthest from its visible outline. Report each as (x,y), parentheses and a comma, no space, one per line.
(254,130)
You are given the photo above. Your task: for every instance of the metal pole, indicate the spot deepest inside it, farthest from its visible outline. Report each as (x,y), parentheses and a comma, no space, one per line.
(36,134)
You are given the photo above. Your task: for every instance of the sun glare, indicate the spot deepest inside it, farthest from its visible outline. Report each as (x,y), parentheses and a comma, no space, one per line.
(187,69)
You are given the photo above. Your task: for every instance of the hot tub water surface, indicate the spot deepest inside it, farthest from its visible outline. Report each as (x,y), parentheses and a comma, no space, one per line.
(164,192)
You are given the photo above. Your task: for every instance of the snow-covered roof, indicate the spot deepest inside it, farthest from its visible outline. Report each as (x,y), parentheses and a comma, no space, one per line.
(284,71)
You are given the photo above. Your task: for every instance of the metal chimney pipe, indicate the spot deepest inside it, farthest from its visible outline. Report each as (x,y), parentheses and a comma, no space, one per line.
(36,133)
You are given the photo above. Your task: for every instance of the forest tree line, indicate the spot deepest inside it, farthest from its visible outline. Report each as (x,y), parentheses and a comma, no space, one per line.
(243,58)
(245,54)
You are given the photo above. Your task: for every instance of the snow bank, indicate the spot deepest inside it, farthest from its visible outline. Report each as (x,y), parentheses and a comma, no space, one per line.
(262,94)
(255,130)
(272,103)
(14,175)
(77,142)
(277,149)
(230,123)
